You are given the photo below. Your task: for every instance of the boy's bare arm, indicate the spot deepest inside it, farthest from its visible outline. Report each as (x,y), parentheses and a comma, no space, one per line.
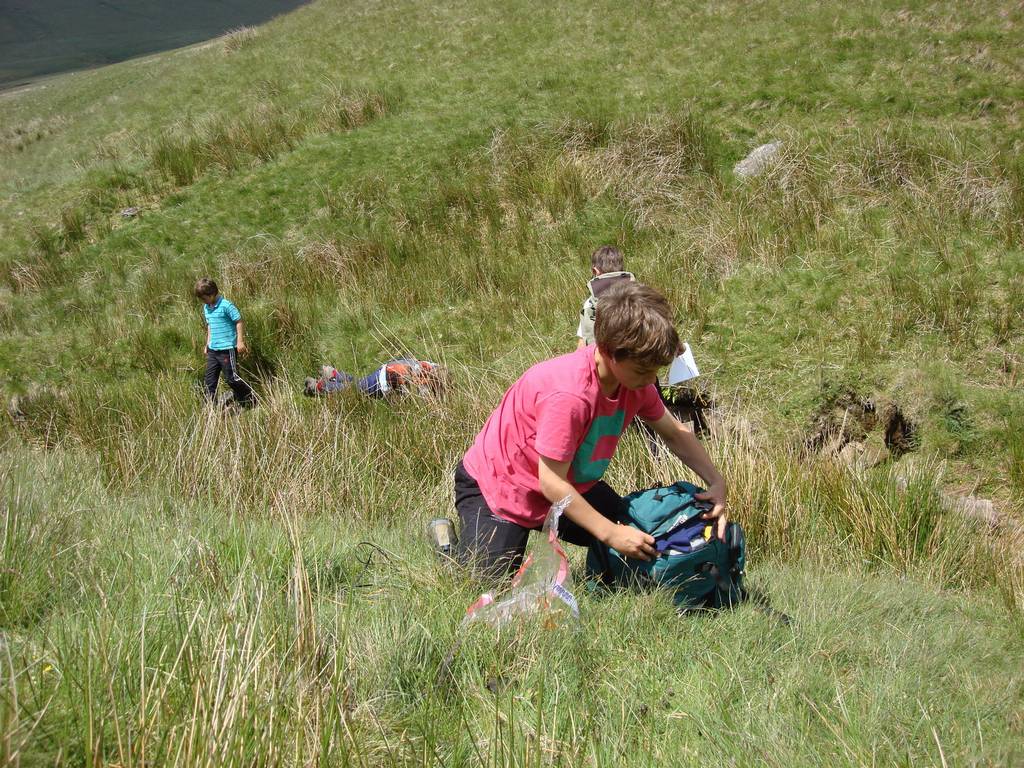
(685,445)
(580,343)
(206,347)
(554,484)
(240,343)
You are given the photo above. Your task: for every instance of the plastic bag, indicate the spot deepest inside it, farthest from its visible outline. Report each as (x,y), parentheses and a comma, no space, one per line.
(541,588)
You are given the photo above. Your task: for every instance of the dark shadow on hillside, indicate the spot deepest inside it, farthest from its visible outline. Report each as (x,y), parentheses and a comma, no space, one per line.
(849,418)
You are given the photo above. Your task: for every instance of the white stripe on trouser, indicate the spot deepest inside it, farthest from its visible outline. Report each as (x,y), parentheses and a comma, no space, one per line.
(234,372)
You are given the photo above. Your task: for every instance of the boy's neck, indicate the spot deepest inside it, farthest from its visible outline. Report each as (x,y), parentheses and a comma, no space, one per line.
(606,379)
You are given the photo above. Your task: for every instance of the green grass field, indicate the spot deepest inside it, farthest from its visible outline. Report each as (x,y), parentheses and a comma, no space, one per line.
(180,587)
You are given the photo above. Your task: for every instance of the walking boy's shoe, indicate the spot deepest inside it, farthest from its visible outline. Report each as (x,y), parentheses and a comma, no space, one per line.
(14,409)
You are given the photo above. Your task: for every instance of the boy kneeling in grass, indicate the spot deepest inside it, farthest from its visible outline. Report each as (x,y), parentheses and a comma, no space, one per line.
(556,430)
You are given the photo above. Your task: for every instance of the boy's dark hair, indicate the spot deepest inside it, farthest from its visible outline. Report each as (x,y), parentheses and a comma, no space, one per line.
(635,322)
(206,287)
(607,258)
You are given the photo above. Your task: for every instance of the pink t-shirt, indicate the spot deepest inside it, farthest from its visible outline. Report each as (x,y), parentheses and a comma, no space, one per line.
(556,410)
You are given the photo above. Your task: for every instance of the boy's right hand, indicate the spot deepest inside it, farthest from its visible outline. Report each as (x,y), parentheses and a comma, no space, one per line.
(631,542)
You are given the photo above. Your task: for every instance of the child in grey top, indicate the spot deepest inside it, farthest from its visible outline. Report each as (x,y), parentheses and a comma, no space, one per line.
(607,267)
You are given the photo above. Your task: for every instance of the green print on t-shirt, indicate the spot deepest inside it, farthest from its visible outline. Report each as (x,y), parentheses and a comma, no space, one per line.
(585,467)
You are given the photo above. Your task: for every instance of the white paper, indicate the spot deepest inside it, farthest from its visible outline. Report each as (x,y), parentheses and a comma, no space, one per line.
(683,367)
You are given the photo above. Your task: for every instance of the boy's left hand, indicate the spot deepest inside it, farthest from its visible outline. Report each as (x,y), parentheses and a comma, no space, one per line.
(242,349)
(716,494)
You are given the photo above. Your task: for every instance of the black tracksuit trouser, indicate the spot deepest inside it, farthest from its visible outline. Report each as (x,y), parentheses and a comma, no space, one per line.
(223,361)
(493,548)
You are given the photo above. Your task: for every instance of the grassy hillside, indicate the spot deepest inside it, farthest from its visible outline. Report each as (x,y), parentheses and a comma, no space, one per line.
(881,256)
(180,587)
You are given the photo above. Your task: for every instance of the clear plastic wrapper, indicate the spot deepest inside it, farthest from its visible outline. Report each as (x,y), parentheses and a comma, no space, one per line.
(542,587)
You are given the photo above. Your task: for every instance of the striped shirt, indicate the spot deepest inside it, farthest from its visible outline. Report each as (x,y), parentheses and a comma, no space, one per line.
(221,318)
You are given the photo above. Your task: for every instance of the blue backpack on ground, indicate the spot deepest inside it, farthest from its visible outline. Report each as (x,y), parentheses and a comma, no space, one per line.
(703,571)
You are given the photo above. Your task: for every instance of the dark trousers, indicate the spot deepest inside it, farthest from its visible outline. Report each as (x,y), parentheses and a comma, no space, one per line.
(222,361)
(492,547)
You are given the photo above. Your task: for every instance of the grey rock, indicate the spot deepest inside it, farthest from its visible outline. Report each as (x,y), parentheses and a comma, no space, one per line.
(851,453)
(863,456)
(758,160)
(980,509)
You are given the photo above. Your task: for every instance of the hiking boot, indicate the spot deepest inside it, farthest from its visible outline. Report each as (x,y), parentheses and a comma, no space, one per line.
(309,389)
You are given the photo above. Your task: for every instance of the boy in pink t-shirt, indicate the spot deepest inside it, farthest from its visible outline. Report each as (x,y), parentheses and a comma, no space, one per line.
(556,430)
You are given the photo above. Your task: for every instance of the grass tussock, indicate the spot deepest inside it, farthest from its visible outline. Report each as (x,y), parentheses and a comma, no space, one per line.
(72,226)
(239,38)
(344,109)
(182,155)
(648,165)
(19,137)
(47,241)
(258,135)
(41,268)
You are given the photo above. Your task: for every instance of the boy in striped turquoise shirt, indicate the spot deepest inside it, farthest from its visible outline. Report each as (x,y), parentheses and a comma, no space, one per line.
(225,340)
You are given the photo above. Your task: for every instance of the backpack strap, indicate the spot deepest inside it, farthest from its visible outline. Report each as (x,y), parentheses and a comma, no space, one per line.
(602,283)
(734,542)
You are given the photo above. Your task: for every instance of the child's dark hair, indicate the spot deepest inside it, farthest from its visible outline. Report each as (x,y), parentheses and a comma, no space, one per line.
(206,287)
(634,322)
(607,258)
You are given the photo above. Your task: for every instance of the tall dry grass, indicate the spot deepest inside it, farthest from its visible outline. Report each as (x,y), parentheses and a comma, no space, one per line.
(378,463)
(235,617)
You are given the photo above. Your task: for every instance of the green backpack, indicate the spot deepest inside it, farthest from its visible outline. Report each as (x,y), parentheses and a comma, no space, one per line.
(703,571)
